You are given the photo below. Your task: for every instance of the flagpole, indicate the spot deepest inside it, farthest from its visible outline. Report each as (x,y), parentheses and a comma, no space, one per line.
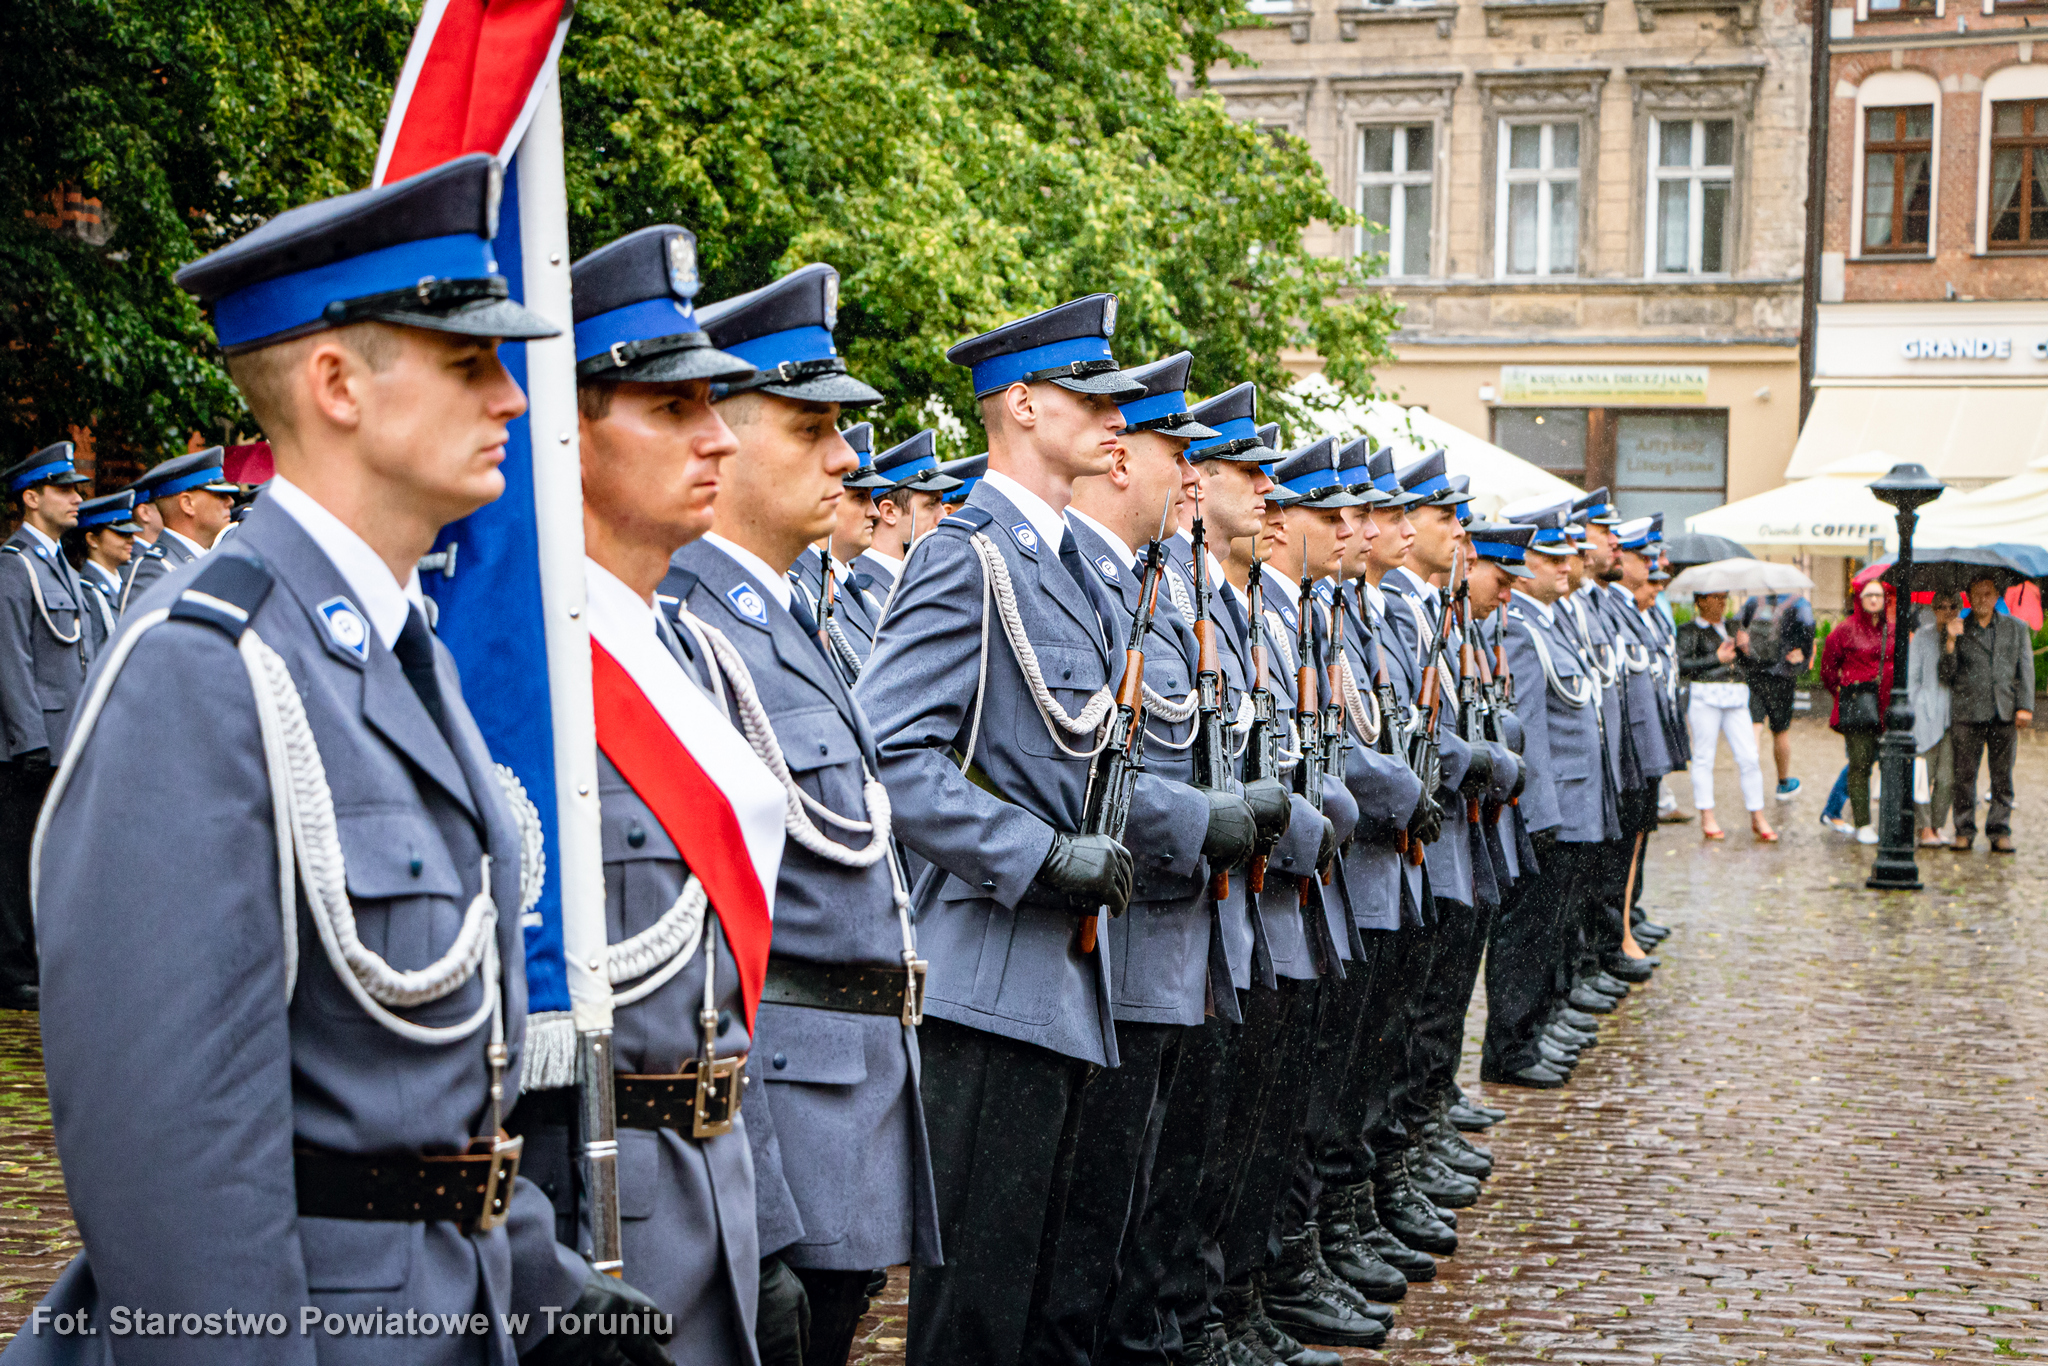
(558,515)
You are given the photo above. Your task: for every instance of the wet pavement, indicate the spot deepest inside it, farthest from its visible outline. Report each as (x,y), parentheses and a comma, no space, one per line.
(1815,1137)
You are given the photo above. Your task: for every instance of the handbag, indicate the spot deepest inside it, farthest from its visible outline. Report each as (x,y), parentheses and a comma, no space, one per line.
(1859,709)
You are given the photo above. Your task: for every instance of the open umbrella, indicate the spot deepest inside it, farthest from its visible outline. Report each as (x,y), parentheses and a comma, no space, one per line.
(1700,547)
(1740,576)
(1948,569)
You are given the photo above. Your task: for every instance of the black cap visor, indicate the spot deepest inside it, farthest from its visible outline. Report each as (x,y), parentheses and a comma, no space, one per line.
(665,360)
(1242,450)
(1177,425)
(809,381)
(1338,497)
(870,480)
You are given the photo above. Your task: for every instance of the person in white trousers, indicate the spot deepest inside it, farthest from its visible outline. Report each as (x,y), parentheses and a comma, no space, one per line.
(1710,662)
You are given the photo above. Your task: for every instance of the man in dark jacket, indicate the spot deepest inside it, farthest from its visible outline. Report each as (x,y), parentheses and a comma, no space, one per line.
(1991,694)
(1782,629)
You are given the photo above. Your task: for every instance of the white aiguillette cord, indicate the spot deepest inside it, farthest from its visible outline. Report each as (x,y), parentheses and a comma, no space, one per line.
(309,847)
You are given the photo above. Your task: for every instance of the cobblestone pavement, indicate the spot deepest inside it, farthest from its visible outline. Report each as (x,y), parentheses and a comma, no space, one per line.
(1811,1139)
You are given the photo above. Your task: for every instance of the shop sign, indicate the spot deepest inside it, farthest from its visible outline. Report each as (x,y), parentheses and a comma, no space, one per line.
(1603,385)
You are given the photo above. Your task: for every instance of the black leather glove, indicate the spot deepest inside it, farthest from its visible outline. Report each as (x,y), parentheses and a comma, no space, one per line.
(1427,822)
(1511,733)
(1088,871)
(1270,810)
(782,1317)
(1232,829)
(1545,844)
(35,761)
(626,1308)
(1327,849)
(1478,773)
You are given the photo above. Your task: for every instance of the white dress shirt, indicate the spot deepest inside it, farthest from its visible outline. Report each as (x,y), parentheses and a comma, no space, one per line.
(1036,510)
(777,584)
(380,596)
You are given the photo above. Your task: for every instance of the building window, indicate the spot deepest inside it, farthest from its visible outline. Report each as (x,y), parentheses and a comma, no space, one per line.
(1675,463)
(2019,174)
(1898,178)
(1536,225)
(1692,170)
(1395,170)
(1890,7)
(1550,438)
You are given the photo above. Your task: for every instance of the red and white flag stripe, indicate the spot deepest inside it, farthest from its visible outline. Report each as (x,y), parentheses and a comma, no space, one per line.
(471,81)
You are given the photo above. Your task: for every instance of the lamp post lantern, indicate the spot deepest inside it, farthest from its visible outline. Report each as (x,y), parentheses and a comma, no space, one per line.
(1906,488)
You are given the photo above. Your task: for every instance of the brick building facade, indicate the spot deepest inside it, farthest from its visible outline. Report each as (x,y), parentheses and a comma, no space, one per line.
(1592,212)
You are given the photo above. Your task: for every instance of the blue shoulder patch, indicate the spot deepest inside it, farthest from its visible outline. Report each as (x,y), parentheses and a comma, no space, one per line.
(748,602)
(967,519)
(226,591)
(345,626)
(1108,567)
(1026,536)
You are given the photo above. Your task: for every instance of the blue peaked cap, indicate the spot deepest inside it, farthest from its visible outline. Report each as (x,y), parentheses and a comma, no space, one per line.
(784,330)
(1164,406)
(112,512)
(1067,345)
(1234,416)
(50,465)
(415,252)
(915,464)
(969,470)
(634,321)
(199,470)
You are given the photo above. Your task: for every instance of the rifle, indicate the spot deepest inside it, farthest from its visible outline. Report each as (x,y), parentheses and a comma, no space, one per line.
(1424,758)
(1210,753)
(1471,720)
(1107,809)
(1383,694)
(837,646)
(1260,762)
(1333,715)
(1308,769)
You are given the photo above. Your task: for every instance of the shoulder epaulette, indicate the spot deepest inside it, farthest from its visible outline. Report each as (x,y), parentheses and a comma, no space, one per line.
(685,580)
(11,549)
(862,581)
(968,519)
(225,592)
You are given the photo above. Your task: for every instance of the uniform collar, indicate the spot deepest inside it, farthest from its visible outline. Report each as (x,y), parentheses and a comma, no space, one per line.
(41,538)
(1289,589)
(199,551)
(1110,538)
(1412,584)
(1375,595)
(1543,609)
(755,566)
(1051,530)
(383,601)
(891,566)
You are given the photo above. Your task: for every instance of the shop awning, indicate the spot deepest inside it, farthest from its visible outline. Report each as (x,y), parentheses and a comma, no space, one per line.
(1969,433)
(2014,509)
(1833,512)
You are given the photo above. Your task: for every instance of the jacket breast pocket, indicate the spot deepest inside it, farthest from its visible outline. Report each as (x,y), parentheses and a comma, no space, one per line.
(823,756)
(357,1254)
(815,1047)
(1072,675)
(407,894)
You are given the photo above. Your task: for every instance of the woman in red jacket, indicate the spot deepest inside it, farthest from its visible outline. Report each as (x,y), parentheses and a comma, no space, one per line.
(1856,667)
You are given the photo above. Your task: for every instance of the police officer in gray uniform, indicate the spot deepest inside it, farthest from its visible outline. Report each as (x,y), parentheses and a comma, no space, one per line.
(104,542)
(1159,948)
(195,502)
(46,645)
(908,505)
(148,563)
(989,715)
(842,1167)
(651,446)
(849,618)
(298,1114)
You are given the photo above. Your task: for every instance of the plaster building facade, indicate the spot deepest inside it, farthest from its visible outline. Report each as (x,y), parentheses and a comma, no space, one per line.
(1931,336)
(1593,213)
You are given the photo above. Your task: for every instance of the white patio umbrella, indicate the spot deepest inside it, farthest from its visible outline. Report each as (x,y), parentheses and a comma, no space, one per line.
(1740,576)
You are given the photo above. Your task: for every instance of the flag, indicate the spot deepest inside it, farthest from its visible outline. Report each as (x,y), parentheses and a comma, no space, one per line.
(666,737)
(508,580)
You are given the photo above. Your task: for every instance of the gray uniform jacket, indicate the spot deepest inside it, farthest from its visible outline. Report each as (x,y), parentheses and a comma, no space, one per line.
(1379,881)
(1293,935)
(1587,629)
(854,608)
(1561,742)
(103,604)
(1642,692)
(1411,613)
(181,1076)
(842,1170)
(1160,946)
(998,965)
(143,569)
(40,673)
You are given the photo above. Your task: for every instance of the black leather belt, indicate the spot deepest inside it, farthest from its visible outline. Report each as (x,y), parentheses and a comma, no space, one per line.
(471,1189)
(855,989)
(643,1101)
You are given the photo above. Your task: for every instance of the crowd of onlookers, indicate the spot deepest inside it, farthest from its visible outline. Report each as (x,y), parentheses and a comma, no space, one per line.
(1969,679)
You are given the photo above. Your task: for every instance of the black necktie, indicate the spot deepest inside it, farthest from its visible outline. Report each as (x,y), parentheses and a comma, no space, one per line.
(809,623)
(1228,595)
(415,651)
(1070,559)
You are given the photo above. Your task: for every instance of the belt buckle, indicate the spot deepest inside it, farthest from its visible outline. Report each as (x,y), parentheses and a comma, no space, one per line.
(499,1177)
(717,1094)
(914,970)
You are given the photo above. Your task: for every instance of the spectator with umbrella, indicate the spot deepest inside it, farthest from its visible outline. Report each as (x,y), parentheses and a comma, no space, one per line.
(1856,668)
(1990,675)
(1930,661)
(1710,660)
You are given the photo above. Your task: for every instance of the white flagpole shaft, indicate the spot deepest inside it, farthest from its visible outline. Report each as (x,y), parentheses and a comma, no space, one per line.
(558,514)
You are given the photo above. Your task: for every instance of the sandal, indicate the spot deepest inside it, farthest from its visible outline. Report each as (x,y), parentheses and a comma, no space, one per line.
(1714,834)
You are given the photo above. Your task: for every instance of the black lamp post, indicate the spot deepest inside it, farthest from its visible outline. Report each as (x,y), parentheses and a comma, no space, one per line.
(1907,487)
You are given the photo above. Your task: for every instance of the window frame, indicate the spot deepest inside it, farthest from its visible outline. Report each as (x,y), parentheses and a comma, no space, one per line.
(1898,149)
(1896,89)
(1545,177)
(1697,176)
(1402,179)
(2033,109)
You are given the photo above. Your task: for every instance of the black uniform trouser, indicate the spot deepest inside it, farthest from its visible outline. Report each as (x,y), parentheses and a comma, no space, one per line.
(1333,1150)
(1387,1037)
(1122,1112)
(1003,1117)
(1278,1048)
(1523,956)
(21,799)
(1461,933)
(1997,742)
(1172,1265)
(837,1299)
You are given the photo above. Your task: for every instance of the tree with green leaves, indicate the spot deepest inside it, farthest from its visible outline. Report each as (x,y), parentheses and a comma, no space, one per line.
(960,163)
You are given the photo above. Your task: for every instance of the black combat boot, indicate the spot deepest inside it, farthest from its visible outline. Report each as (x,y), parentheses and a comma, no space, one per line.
(1345,1212)
(1406,1212)
(1303,1299)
